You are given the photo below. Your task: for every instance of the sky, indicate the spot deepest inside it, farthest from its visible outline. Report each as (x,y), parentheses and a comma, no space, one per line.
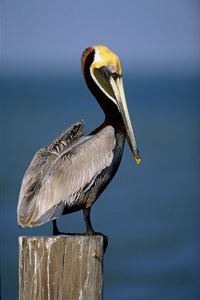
(49,34)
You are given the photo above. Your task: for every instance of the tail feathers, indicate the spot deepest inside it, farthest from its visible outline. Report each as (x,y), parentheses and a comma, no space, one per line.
(32,217)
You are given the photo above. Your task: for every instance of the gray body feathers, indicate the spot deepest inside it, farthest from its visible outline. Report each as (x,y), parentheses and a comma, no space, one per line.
(64,176)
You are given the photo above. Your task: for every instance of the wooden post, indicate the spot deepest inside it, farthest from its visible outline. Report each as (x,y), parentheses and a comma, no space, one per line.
(61,268)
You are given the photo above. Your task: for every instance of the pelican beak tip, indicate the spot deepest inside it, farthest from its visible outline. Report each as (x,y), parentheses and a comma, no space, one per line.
(138,158)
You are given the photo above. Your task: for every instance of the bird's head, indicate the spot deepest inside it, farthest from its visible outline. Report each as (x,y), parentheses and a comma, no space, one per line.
(105,70)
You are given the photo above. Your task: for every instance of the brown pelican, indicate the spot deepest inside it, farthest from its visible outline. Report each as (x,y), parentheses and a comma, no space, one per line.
(71,172)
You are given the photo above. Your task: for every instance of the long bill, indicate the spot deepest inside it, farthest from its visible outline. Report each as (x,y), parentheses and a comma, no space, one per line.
(118,89)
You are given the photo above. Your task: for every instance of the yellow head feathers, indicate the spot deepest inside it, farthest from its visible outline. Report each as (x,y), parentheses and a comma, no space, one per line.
(105,57)
(102,57)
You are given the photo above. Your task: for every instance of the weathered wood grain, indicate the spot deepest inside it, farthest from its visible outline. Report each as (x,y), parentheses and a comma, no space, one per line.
(61,267)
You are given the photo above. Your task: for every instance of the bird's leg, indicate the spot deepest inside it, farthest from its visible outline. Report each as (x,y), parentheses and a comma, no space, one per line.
(89,228)
(56,231)
(55,228)
(86,215)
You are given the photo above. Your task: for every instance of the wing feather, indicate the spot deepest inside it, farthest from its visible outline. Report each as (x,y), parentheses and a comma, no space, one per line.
(71,173)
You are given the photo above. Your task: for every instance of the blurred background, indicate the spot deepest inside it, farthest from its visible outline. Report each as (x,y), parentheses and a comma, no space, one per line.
(150,212)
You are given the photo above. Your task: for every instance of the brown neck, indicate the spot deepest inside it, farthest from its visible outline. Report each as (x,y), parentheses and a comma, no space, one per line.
(110,109)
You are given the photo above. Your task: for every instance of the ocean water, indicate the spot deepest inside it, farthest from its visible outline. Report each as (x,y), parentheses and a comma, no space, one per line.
(150,212)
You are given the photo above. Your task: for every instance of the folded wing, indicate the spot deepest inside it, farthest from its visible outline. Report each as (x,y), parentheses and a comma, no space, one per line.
(59,174)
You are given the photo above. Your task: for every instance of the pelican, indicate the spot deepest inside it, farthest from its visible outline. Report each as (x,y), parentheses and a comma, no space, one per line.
(71,172)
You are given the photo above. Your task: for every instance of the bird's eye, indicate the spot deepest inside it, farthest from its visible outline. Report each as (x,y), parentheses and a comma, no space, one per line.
(112,68)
